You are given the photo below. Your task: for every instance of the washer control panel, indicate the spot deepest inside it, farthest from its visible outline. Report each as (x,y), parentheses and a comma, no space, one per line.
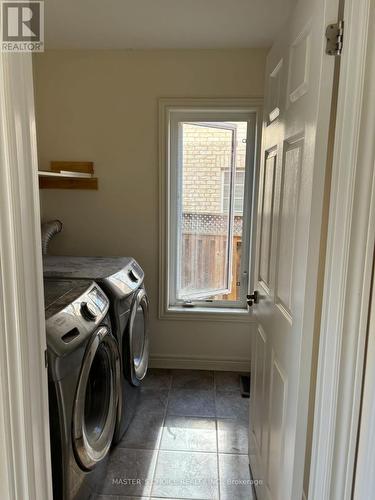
(99,299)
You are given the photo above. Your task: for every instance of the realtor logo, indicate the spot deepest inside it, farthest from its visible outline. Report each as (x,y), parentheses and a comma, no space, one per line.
(22,26)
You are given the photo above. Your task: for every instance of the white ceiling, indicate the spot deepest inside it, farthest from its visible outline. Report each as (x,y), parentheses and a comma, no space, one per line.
(163,24)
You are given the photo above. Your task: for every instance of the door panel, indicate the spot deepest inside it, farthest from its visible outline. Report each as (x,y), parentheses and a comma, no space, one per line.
(266,220)
(277,424)
(299,66)
(259,386)
(287,222)
(274,88)
(294,149)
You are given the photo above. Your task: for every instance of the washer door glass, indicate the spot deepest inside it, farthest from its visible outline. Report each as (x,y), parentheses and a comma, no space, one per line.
(95,404)
(139,337)
(98,395)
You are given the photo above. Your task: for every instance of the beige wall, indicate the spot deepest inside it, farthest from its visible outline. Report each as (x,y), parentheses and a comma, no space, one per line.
(102,106)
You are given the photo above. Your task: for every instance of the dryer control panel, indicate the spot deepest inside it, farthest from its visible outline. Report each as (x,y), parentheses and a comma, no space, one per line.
(126,280)
(73,316)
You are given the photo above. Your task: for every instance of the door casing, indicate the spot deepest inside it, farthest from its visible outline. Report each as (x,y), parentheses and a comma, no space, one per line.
(25,469)
(350,244)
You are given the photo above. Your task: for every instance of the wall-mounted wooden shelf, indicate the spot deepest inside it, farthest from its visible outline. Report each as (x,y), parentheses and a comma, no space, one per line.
(68,175)
(84,167)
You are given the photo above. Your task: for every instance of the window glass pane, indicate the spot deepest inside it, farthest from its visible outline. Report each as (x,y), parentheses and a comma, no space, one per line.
(209,235)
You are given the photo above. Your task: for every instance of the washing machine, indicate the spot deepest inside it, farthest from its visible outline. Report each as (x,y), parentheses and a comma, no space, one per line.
(84,385)
(122,279)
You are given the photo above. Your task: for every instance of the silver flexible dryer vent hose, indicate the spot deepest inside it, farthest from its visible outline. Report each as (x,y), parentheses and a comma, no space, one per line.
(49,230)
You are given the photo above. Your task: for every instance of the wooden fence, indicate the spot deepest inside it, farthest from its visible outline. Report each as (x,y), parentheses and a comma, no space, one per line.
(203,262)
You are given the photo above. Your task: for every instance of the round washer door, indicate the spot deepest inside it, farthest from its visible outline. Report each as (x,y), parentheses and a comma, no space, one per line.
(96,401)
(138,337)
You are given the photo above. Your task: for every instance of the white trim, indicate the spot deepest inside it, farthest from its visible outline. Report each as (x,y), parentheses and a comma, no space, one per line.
(24,426)
(200,363)
(364,481)
(213,314)
(166,106)
(348,269)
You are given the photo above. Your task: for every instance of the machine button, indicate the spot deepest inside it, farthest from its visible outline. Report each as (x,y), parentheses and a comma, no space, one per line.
(132,276)
(88,311)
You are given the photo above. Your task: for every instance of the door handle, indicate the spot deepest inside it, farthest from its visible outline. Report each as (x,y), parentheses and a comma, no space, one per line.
(253,298)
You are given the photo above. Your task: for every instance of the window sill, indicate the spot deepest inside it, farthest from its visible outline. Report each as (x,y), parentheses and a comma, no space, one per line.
(219,314)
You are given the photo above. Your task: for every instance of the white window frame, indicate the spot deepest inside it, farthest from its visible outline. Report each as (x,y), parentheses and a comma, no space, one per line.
(201,110)
(176,117)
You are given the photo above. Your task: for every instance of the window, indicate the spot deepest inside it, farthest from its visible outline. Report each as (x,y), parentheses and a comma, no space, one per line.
(239,185)
(209,174)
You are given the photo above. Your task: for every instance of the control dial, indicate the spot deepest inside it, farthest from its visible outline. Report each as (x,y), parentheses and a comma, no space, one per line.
(88,311)
(132,276)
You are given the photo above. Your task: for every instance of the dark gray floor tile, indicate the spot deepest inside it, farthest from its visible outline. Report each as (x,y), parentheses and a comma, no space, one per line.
(186,475)
(227,382)
(231,405)
(106,497)
(144,432)
(190,403)
(129,472)
(235,481)
(157,378)
(192,379)
(117,497)
(152,400)
(189,434)
(232,436)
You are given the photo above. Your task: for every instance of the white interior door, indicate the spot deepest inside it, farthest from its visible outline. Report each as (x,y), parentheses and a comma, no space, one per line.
(298,92)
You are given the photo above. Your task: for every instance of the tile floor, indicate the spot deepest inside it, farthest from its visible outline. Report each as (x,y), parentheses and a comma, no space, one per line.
(188,440)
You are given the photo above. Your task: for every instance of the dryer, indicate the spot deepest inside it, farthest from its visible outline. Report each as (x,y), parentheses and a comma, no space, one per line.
(122,279)
(84,385)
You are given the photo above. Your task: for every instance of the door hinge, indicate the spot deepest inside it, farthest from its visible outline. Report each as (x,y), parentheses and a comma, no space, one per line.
(46,358)
(335,36)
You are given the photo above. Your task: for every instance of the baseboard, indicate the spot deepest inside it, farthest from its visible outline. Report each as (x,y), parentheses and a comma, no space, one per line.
(200,363)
